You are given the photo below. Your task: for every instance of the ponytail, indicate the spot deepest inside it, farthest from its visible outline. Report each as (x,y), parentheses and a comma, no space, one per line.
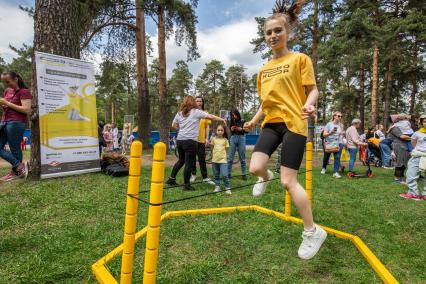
(15,76)
(290,12)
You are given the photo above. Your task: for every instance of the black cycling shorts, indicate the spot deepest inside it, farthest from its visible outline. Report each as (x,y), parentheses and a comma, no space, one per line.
(293,145)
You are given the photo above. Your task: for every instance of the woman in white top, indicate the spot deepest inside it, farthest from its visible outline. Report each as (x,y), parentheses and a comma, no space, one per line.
(333,140)
(187,120)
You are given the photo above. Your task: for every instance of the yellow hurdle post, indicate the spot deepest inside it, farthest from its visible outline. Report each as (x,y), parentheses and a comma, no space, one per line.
(131,213)
(287,204)
(308,174)
(154,215)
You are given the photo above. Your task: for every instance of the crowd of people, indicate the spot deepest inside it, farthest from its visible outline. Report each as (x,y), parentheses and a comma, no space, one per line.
(402,148)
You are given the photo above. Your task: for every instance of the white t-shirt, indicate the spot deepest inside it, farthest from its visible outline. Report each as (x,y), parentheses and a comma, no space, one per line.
(189,125)
(337,137)
(421,141)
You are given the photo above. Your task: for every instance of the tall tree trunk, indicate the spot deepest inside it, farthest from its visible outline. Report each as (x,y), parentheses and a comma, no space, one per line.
(314,56)
(375,87)
(144,104)
(164,125)
(113,112)
(56,31)
(414,79)
(388,93)
(362,95)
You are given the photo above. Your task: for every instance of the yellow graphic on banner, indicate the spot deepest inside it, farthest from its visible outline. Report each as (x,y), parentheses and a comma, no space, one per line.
(76,119)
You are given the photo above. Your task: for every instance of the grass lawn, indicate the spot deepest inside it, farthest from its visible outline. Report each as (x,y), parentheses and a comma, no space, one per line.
(52,231)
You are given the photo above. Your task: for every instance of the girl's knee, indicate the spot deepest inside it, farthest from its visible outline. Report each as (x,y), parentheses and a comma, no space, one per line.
(288,183)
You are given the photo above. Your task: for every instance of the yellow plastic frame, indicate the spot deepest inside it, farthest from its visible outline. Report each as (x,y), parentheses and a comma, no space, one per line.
(152,231)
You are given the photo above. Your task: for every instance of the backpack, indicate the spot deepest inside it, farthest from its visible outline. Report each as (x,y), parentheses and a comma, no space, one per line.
(117,170)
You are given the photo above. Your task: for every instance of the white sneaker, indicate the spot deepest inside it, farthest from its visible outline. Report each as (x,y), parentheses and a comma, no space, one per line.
(312,242)
(336,175)
(209,181)
(260,187)
(228,191)
(323,171)
(217,189)
(193,178)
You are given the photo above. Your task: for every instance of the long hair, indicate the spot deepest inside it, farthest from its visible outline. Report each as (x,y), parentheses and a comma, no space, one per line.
(289,12)
(187,105)
(202,99)
(15,76)
(237,113)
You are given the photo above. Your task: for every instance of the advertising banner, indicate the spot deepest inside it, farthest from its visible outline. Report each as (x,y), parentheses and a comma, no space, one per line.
(67,116)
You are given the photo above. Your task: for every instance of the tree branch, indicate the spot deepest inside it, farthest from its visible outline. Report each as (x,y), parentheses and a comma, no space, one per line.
(100,27)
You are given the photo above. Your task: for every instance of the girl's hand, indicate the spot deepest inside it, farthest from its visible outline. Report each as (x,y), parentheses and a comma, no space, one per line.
(248,126)
(3,102)
(307,111)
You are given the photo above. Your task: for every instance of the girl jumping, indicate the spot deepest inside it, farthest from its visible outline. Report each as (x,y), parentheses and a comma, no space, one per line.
(286,85)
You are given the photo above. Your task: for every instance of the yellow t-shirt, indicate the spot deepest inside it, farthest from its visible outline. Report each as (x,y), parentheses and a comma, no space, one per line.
(219,150)
(280,84)
(202,131)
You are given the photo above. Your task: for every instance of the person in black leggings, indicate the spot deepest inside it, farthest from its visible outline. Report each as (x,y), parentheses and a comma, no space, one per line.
(187,120)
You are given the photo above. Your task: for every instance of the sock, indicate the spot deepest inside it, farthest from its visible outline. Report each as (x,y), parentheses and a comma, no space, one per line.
(313,229)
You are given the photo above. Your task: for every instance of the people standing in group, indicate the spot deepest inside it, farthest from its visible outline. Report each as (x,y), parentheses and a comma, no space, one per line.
(237,142)
(287,88)
(353,142)
(417,163)
(333,143)
(102,143)
(220,146)
(114,129)
(187,120)
(400,148)
(203,138)
(108,138)
(16,104)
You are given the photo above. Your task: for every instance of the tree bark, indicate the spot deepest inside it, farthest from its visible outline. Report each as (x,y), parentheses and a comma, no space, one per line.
(314,56)
(56,31)
(144,103)
(164,124)
(362,95)
(388,93)
(375,87)
(414,79)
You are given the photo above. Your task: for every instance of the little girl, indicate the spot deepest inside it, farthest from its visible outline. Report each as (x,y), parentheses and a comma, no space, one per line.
(286,85)
(108,137)
(219,160)
(417,163)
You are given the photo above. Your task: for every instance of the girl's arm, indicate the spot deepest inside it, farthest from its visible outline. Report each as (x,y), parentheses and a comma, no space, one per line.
(216,118)
(248,126)
(414,143)
(309,108)
(175,125)
(25,108)
(207,133)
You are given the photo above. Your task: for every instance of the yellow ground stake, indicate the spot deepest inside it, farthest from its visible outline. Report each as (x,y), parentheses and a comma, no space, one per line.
(131,213)
(308,173)
(154,215)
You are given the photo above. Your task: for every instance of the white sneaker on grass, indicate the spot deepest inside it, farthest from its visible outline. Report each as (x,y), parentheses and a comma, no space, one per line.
(336,175)
(216,189)
(209,181)
(312,242)
(323,171)
(193,178)
(228,191)
(260,187)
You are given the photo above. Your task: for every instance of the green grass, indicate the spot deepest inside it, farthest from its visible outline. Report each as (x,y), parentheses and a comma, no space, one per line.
(52,231)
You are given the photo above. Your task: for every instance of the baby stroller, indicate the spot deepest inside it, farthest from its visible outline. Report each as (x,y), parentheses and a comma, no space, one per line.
(363,156)
(374,156)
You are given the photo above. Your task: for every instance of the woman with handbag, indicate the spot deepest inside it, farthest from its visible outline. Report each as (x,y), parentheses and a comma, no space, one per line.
(353,143)
(16,104)
(333,143)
